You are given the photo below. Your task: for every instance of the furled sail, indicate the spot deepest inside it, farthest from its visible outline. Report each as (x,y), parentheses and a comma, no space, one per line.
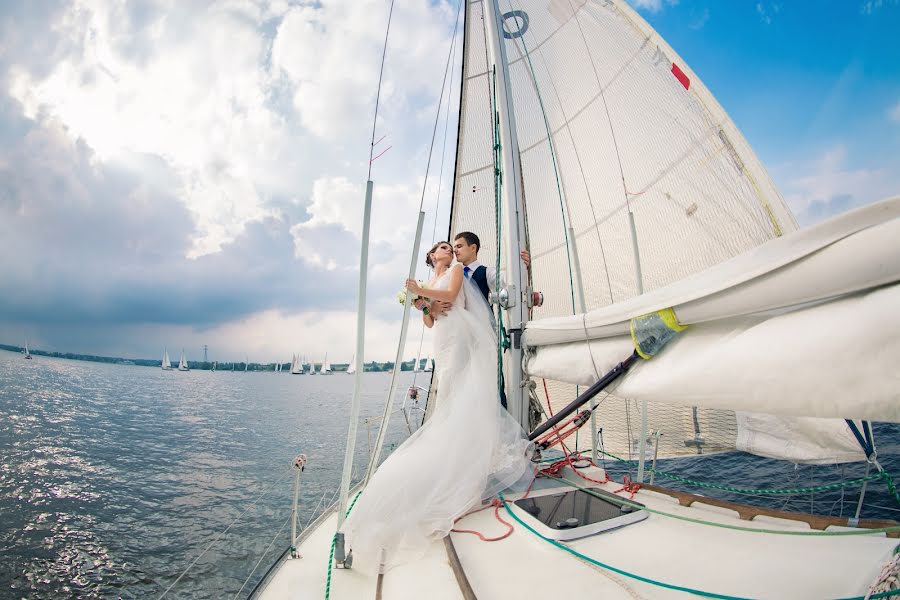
(634,178)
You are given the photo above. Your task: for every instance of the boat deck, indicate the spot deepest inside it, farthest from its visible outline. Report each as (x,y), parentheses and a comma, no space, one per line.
(672,551)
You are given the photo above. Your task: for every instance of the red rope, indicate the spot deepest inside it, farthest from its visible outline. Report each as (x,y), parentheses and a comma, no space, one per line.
(497,504)
(628,486)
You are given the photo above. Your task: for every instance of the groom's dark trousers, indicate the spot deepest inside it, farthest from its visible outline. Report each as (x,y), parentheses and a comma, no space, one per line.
(479,277)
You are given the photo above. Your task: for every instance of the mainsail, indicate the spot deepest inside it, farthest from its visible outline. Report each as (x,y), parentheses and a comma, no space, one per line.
(166,363)
(634,178)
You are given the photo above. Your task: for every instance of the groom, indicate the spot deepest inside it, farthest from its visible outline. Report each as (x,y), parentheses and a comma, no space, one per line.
(465,247)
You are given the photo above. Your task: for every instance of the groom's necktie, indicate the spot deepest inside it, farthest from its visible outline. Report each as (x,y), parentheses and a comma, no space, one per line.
(466,271)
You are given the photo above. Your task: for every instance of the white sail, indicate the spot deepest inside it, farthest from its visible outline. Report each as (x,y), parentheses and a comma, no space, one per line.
(624,138)
(25,352)
(637,178)
(325,369)
(429,365)
(182,364)
(166,363)
(296,365)
(246,364)
(351,368)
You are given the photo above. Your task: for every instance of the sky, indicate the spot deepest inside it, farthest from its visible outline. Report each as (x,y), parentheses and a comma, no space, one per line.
(174,174)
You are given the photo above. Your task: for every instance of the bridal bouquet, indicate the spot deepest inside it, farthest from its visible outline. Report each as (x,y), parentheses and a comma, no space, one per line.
(401,295)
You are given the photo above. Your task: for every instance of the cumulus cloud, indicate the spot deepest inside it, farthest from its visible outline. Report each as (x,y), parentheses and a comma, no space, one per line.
(187,170)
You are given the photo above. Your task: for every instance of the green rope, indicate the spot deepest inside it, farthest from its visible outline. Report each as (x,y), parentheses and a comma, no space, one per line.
(654,511)
(662,584)
(889,482)
(331,554)
(502,342)
(819,488)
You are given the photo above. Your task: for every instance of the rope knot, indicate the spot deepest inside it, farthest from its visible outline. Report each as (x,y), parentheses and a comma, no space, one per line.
(628,486)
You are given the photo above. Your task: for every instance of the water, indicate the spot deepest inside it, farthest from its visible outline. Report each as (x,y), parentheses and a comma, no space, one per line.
(114,478)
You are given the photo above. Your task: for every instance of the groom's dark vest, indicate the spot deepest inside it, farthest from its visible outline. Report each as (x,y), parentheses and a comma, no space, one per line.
(479,276)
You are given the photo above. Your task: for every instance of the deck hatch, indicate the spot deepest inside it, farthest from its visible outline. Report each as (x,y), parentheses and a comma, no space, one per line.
(573,514)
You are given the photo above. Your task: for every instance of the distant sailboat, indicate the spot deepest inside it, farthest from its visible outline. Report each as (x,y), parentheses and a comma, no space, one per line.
(26,354)
(182,364)
(416,368)
(325,369)
(351,368)
(215,365)
(166,363)
(429,366)
(246,364)
(296,366)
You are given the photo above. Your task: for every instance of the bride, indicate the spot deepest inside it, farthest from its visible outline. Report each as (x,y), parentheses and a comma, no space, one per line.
(469,449)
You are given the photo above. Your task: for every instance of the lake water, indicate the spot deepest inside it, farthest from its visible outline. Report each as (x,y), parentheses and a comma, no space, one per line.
(113,478)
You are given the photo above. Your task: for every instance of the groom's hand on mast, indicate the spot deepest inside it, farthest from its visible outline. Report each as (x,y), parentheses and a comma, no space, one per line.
(526,258)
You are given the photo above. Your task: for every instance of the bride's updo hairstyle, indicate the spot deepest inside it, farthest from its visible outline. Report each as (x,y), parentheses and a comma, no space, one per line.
(428,254)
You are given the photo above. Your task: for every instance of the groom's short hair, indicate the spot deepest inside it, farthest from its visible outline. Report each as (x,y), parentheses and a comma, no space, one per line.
(470,238)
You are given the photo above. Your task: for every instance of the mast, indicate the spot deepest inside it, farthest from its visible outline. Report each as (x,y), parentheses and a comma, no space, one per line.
(512,198)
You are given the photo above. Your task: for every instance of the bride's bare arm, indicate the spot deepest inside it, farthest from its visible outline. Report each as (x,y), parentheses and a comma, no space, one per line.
(448,295)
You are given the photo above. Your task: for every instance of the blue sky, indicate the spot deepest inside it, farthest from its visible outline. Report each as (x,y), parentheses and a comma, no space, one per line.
(180,174)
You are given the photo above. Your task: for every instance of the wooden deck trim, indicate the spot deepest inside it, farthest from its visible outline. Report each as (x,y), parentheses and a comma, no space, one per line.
(746,512)
(464,586)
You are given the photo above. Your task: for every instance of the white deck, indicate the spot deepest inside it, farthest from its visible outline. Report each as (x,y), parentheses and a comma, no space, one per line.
(676,552)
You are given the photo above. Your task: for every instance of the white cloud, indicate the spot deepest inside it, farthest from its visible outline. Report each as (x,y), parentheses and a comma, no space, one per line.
(767,11)
(653,6)
(230,107)
(828,186)
(331,53)
(894,113)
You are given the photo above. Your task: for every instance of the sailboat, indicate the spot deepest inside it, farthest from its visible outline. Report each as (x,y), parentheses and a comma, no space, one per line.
(246,364)
(669,290)
(296,365)
(166,364)
(351,368)
(416,364)
(182,363)
(25,353)
(429,366)
(325,369)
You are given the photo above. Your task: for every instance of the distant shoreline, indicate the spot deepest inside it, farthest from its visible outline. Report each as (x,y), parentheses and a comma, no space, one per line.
(200,365)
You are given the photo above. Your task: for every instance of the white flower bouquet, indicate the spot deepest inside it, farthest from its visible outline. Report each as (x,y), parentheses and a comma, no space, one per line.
(401,295)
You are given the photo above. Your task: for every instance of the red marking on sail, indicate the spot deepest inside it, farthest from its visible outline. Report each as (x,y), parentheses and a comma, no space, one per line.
(680,76)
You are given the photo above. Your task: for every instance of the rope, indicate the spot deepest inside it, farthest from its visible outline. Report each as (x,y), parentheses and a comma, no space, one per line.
(662,584)
(725,525)
(496,504)
(223,532)
(331,554)
(772,491)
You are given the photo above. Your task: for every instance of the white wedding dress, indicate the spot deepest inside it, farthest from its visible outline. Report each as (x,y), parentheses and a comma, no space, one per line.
(470,448)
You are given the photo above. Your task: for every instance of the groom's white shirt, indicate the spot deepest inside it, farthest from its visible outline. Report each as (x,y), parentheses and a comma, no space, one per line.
(491,274)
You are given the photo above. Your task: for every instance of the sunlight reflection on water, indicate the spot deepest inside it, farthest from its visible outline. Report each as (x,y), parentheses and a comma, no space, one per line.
(113,478)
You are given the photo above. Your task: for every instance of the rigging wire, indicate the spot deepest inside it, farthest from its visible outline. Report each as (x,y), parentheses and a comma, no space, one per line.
(378,93)
(224,531)
(437,206)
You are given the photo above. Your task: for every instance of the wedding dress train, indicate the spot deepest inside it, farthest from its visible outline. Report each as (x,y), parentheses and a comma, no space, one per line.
(470,448)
